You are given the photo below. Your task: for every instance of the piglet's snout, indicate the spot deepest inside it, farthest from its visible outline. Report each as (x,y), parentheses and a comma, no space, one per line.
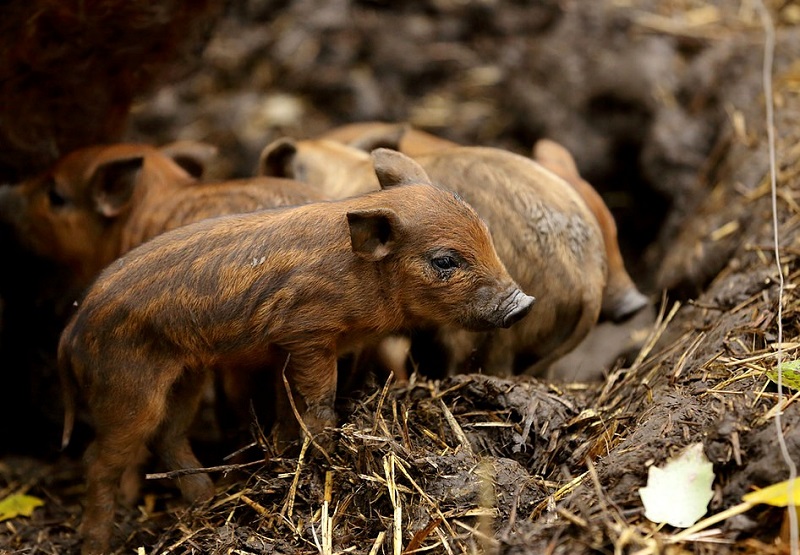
(514,307)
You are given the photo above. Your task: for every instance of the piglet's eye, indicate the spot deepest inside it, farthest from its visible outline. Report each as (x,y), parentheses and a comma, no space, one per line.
(444,263)
(55,198)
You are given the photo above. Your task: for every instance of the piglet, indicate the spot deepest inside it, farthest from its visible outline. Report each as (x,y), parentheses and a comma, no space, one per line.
(99,202)
(289,288)
(621,298)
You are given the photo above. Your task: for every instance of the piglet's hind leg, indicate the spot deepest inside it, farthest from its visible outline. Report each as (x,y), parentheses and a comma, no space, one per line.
(171,442)
(121,438)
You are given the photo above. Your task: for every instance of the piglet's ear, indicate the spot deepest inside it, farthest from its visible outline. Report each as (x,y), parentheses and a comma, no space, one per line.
(277,157)
(555,157)
(192,156)
(394,169)
(373,232)
(388,136)
(112,184)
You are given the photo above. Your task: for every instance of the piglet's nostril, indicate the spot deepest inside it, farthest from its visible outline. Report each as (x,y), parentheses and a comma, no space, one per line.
(517,306)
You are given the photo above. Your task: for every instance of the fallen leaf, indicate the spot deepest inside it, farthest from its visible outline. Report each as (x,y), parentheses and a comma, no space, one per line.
(776,495)
(18,505)
(791,374)
(678,494)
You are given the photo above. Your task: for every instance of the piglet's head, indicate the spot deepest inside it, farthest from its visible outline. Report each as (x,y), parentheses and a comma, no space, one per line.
(71,213)
(438,260)
(338,170)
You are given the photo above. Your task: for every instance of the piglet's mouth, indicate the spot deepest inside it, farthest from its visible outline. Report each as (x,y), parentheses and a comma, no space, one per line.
(515,307)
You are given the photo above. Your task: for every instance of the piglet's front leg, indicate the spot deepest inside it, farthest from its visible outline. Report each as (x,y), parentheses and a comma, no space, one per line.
(312,375)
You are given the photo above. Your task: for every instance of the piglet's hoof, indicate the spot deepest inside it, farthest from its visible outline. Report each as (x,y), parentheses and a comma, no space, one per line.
(620,308)
(319,421)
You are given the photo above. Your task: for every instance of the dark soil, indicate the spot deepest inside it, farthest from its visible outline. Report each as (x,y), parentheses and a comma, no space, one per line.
(662,104)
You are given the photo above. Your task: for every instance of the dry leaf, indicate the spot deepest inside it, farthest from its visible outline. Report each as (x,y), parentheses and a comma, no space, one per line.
(678,494)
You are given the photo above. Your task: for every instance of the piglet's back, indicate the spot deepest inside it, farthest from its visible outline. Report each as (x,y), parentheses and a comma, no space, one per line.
(170,209)
(196,278)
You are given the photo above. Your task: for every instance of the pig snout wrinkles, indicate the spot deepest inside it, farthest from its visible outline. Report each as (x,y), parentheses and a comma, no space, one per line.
(502,309)
(515,307)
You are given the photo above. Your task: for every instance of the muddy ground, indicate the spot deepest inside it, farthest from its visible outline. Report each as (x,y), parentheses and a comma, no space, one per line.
(662,104)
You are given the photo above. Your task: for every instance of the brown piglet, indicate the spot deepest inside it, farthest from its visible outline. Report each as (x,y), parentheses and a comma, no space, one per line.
(290,289)
(621,298)
(99,202)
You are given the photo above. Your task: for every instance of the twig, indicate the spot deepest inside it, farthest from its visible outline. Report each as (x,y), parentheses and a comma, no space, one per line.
(288,508)
(421,535)
(381,400)
(659,327)
(460,435)
(685,535)
(600,494)
(445,543)
(327,521)
(686,354)
(783,347)
(257,507)
(558,494)
(186,471)
(377,543)
(240,450)
(181,541)
(512,517)
(394,497)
